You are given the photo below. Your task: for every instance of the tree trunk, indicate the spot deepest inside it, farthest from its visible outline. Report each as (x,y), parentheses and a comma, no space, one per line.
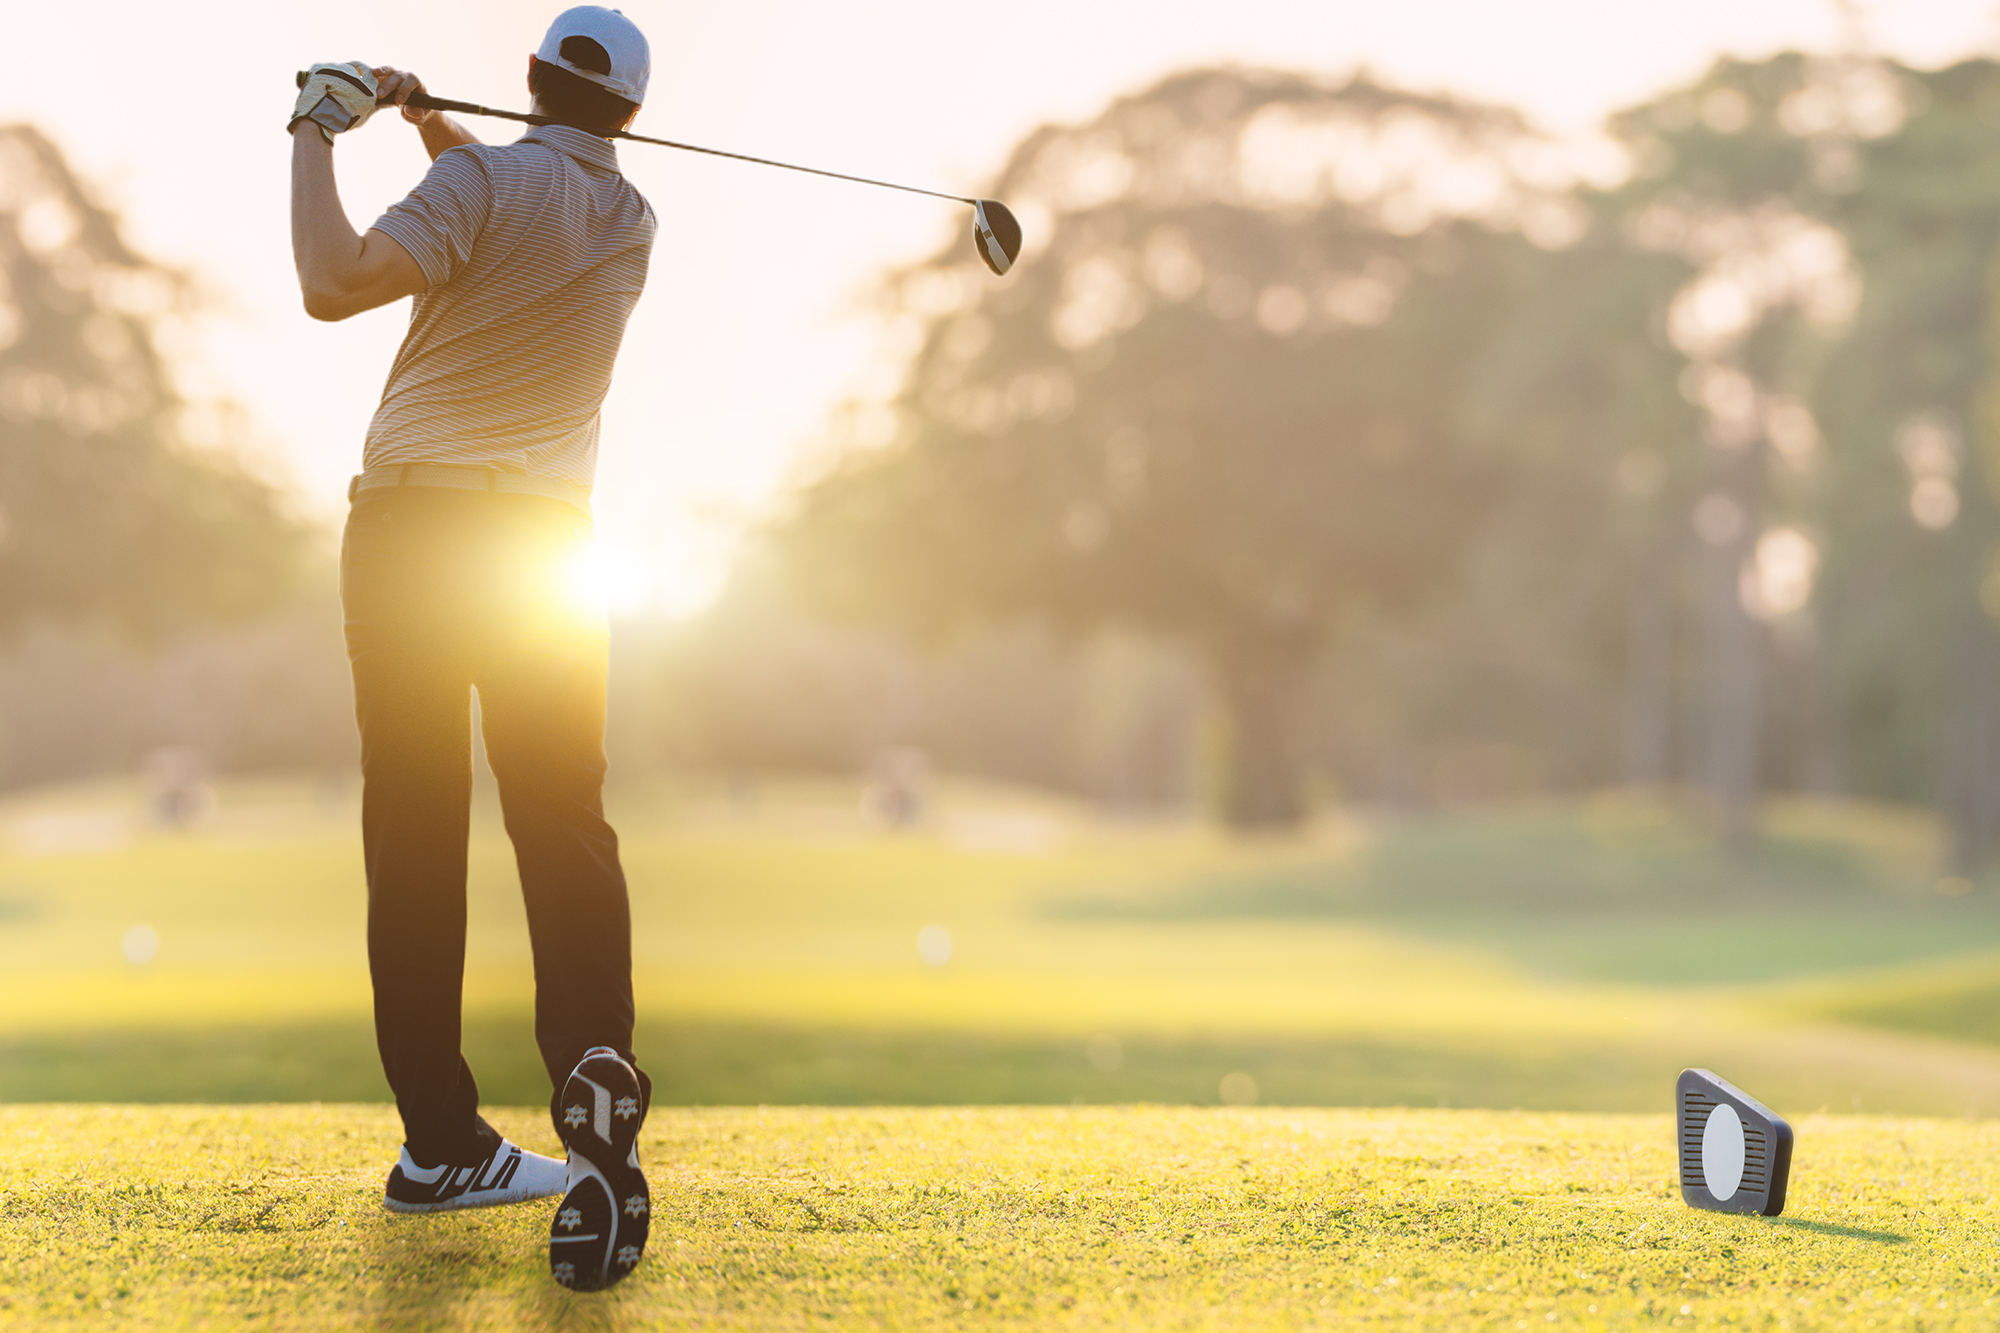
(1263,685)
(1969,745)
(1971,764)
(1733,685)
(1649,679)
(1734,716)
(1822,754)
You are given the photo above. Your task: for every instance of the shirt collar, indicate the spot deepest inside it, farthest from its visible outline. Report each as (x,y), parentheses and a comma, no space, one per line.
(585,147)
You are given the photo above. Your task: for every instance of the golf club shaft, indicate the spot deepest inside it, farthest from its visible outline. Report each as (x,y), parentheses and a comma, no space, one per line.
(429,103)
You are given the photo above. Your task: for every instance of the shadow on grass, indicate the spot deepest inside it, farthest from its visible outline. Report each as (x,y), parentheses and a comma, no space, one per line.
(749,1064)
(482,1269)
(1650,900)
(1967,1009)
(421,1269)
(1836,1229)
(1550,863)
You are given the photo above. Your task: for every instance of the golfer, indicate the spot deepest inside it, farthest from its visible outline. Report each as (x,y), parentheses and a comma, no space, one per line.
(459,572)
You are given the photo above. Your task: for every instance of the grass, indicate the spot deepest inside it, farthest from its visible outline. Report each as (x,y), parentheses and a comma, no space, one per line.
(1557,958)
(1614,889)
(776,1218)
(1052,1151)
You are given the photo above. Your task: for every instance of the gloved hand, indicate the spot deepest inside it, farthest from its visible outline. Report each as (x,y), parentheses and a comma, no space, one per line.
(335,97)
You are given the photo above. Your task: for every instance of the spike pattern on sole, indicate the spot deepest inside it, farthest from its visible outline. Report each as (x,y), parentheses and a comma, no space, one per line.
(599,1232)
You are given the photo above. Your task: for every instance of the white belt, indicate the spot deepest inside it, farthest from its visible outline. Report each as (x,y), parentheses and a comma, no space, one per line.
(456,477)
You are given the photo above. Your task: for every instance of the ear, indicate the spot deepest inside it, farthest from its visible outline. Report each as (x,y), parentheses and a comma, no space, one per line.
(532,62)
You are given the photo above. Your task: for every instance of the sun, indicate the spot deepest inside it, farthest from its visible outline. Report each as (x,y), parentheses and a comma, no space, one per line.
(601,584)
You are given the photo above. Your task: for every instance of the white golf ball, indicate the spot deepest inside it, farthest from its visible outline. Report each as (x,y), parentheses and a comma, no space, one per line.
(934,946)
(140,945)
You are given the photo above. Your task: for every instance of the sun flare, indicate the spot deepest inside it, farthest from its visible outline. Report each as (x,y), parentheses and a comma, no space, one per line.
(600,584)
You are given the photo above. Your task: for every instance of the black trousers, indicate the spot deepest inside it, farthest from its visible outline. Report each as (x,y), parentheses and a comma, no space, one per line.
(442,592)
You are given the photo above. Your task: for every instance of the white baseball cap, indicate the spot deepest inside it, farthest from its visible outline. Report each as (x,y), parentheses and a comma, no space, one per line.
(631,59)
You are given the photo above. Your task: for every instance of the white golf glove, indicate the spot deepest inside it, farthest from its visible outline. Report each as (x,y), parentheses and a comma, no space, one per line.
(335,97)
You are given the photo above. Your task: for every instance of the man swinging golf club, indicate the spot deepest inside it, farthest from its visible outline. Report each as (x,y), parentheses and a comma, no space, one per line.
(458,565)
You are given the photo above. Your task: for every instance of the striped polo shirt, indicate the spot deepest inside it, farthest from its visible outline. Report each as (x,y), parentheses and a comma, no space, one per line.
(535,253)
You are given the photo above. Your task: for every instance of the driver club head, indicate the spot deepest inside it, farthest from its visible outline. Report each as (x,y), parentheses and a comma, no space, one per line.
(995,234)
(1736,1152)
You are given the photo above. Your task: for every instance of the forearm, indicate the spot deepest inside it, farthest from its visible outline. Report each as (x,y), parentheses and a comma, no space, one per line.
(325,245)
(340,273)
(441,132)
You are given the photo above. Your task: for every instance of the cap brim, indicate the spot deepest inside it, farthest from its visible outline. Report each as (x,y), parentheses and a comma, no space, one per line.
(616,87)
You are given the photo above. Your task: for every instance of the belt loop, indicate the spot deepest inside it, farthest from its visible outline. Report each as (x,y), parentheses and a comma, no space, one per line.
(402,474)
(353,487)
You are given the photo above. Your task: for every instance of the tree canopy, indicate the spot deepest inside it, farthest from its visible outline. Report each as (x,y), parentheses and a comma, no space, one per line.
(1260,375)
(107,511)
(1676,470)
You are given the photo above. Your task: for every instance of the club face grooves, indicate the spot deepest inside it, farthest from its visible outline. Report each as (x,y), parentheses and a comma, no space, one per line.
(1765,1138)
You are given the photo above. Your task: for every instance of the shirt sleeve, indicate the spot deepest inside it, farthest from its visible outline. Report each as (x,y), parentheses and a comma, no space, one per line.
(439,221)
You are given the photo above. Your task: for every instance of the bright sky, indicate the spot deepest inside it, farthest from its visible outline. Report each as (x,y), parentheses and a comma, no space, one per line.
(750,329)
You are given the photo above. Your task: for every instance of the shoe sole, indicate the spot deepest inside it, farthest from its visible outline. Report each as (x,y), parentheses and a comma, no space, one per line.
(494,1200)
(599,1232)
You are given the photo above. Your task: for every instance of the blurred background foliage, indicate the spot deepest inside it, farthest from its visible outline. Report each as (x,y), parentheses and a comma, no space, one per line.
(1467,466)
(123,503)
(1330,444)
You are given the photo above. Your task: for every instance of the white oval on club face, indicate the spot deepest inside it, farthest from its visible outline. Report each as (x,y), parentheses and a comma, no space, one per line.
(1722,1151)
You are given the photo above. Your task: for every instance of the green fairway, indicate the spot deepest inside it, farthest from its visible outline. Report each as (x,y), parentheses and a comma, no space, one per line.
(1556,959)
(171,1217)
(1549,957)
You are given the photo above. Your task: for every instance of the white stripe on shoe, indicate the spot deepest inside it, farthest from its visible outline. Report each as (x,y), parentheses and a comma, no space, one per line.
(510,1175)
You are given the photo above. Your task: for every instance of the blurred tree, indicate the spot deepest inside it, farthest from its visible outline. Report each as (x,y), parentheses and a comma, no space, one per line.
(1738,177)
(1304,365)
(756,685)
(1254,379)
(1550,654)
(1910,404)
(107,512)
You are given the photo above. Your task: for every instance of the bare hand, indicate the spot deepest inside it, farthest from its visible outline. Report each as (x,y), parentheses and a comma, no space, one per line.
(396,85)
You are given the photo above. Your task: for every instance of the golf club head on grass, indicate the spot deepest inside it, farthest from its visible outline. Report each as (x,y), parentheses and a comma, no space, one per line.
(1735,1152)
(995,234)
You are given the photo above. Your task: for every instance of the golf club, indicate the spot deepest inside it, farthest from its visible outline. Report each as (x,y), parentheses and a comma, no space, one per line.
(995,233)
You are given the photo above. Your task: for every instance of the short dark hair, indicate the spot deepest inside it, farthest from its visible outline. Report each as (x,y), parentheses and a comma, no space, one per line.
(575,101)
